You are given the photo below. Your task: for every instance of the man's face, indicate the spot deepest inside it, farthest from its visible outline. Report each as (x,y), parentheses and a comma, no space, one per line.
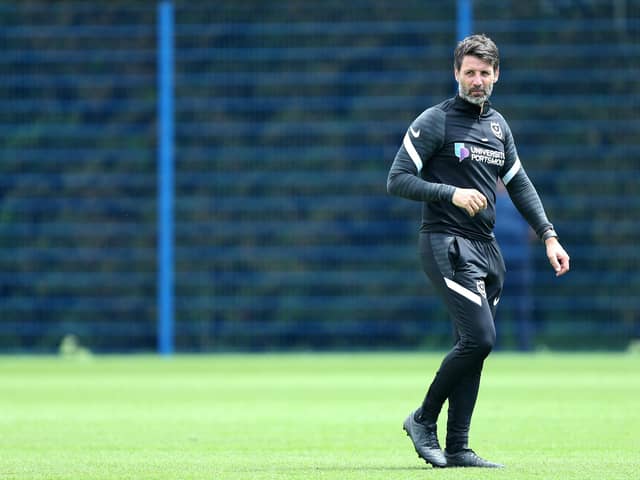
(475,79)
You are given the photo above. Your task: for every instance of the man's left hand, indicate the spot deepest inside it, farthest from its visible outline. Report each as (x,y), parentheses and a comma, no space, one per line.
(558,257)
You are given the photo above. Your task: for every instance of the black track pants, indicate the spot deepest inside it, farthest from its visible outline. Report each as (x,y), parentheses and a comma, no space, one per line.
(468,276)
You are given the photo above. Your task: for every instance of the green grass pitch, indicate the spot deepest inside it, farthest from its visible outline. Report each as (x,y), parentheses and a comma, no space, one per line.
(306,416)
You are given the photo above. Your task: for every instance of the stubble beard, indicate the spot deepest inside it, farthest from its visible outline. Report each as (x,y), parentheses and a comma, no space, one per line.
(465,94)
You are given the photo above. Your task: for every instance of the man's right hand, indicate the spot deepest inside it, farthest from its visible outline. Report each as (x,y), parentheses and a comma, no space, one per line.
(469,199)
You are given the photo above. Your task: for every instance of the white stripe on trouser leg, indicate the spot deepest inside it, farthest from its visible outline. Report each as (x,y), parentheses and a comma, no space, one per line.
(465,292)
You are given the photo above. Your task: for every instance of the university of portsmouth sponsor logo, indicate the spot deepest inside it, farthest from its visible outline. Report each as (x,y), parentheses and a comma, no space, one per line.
(497,130)
(487,156)
(461,151)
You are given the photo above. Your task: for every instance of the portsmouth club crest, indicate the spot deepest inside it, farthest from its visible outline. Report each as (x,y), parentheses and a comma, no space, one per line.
(497,130)
(481,290)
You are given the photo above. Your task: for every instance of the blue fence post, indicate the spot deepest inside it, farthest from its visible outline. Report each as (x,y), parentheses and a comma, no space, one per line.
(464,22)
(165,180)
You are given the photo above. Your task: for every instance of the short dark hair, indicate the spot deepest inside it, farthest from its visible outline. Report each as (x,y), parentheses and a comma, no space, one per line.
(479,46)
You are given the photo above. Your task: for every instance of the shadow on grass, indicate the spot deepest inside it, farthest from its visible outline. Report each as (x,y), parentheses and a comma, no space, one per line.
(344,468)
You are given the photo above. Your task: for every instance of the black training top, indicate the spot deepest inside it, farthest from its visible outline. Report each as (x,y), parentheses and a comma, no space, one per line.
(455,144)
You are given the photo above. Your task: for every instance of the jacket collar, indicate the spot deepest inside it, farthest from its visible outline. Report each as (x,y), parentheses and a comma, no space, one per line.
(462,104)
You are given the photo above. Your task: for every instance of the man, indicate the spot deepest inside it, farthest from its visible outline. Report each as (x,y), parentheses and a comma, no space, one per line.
(450,159)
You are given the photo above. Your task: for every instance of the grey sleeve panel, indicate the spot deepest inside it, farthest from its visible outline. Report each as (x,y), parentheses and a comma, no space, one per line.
(526,199)
(424,137)
(512,162)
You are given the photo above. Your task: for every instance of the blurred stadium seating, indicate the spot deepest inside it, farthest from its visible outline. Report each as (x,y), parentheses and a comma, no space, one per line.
(288,115)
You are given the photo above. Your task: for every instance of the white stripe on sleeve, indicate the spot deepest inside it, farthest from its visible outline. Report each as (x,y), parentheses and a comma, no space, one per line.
(512,171)
(411,150)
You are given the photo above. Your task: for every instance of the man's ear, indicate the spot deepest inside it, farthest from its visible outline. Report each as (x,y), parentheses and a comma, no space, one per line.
(497,74)
(456,74)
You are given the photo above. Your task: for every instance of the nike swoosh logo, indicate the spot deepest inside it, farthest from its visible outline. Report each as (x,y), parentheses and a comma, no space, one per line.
(415,133)
(495,301)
